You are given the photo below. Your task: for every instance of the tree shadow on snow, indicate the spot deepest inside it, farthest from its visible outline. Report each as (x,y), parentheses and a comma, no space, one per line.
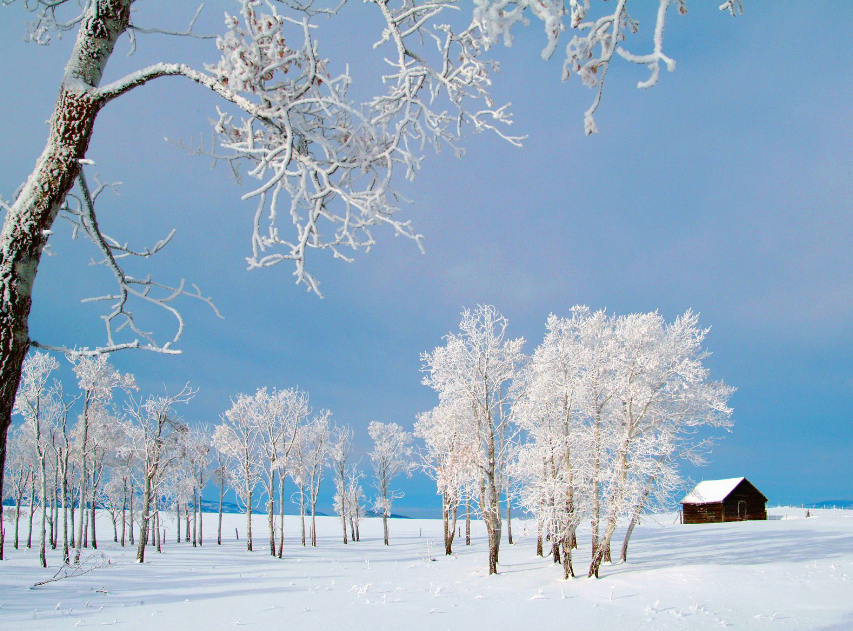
(731,546)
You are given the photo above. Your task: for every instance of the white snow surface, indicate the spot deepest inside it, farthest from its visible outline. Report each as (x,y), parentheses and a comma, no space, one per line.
(711,491)
(785,573)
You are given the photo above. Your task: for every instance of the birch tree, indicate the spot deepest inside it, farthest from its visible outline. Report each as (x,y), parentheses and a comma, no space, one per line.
(475,369)
(277,415)
(661,384)
(447,459)
(390,456)
(326,162)
(239,440)
(340,450)
(152,436)
(315,451)
(96,379)
(40,411)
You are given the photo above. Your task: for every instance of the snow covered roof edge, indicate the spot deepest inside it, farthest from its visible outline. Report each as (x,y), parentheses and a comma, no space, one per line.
(712,491)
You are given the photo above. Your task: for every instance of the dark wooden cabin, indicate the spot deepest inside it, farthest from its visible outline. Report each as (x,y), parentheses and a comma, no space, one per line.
(716,501)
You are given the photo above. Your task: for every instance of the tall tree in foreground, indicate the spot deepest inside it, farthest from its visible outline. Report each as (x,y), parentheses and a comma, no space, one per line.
(300,133)
(390,456)
(475,369)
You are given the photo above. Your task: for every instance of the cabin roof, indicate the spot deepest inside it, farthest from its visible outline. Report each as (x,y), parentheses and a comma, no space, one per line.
(712,491)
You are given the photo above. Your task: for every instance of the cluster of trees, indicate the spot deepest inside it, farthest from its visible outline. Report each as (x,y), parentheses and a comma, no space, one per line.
(139,461)
(590,428)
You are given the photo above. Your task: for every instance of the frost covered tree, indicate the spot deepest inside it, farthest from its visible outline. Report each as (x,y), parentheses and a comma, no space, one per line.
(19,472)
(277,415)
(36,403)
(661,387)
(315,445)
(610,404)
(391,455)
(355,500)
(96,379)
(339,451)
(328,163)
(475,370)
(447,459)
(153,433)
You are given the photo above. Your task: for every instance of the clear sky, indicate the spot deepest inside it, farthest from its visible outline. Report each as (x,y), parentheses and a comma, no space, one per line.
(728,189)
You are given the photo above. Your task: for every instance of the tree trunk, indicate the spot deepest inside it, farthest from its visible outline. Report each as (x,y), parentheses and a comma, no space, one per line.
(5,421)
(195,518)
(509,522)
(187,522)
(302,513)
(18,500)
(357,524)
(32,512)
(344,518)
(539,551)
(568,570)
(66,552)
(313,523)
(271,513)
(200,513)
(85,526)
(178,519)
(445,522)
(130,512)
(280,515)
(157,524)
(123,508)
(467,523)
(249,523)
(71,540)
(143,523)
(219,529)
(93,514)
(44,507)
(28,222)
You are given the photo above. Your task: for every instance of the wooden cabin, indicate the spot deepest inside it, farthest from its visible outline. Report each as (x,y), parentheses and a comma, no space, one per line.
(716,501)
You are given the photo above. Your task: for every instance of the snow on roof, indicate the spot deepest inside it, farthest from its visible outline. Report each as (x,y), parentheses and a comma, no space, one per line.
(711,491)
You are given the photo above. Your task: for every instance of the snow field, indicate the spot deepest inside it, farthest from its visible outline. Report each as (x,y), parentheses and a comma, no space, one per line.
(785,573)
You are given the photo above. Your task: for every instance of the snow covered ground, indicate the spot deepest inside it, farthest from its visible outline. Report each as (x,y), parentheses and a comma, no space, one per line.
(786,573)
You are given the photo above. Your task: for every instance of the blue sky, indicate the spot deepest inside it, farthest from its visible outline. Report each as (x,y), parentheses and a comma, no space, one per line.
(728,189)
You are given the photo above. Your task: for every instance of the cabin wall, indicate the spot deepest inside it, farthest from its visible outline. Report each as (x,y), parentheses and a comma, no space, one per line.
(753,507)
(702,513)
